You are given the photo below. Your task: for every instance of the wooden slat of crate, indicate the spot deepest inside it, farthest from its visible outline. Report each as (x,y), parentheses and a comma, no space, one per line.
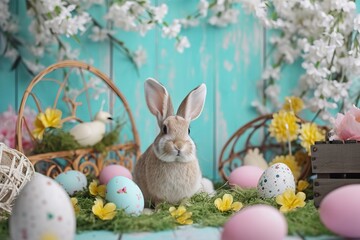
(324,186)
(336,158)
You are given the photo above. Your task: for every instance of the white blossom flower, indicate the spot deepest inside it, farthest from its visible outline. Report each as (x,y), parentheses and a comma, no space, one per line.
(172,30)
(203,7)
(33,66)
(357,23)
(181,44)
(140,56)
(160,12)
(99,34)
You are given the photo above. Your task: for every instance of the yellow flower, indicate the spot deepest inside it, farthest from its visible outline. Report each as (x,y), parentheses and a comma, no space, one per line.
(289,201)
(51,118)
(289,160)
(284,126)
(226,203)
(106,212)
(293,104)
(309,133)
(181,215)
(76,207)
(302,185)
(97,190)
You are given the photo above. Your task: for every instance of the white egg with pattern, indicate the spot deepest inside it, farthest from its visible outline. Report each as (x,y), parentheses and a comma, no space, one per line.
(275,180)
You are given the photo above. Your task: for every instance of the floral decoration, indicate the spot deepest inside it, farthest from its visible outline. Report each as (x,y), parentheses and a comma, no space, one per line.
(226,203)
(50,119)
(302,185)
(347,126)
(309,134)
(106,212)
(181,215)
(75,205)
(293,104)
(324,37)
(52,22)
(289,201)
(97,190)
(284,126)
(8,128)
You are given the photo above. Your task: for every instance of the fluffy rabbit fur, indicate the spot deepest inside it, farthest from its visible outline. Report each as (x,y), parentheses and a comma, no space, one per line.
(169,170)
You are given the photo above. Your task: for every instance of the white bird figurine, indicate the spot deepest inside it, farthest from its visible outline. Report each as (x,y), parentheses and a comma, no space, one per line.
(90,133)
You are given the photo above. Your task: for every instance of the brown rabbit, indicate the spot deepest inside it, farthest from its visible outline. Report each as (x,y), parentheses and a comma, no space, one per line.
(169,170)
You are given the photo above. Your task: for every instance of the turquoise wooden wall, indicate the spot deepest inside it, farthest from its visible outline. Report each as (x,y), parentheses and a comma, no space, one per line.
(229,60)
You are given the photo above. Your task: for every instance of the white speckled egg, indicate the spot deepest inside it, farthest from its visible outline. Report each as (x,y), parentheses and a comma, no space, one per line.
(275,180)
(125,194)
(72,181)
(43,210)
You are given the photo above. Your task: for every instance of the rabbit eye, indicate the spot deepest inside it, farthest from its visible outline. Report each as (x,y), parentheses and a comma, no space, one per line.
(188,130)
(164,129)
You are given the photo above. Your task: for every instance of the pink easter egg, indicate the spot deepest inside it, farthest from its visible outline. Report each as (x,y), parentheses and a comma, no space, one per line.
(255,223)
(108,172)
(340,211)
(245,176)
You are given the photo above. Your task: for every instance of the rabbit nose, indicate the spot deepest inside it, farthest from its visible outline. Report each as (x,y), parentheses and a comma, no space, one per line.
(178,145)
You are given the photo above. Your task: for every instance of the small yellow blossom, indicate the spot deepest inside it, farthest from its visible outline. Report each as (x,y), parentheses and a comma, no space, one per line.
(309,133)
(284,126)
(294,104)
(302,185)
(106,212)
(289,160)
(181,215)
(76,207)
(97,190)
(51,118)
(289,201)
(226,203)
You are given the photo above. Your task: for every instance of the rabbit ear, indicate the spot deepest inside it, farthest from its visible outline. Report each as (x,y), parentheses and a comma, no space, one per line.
(193,104)
(158,100)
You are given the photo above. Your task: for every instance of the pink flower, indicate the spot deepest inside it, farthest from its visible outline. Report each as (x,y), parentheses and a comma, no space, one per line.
(8,127)
(347,127)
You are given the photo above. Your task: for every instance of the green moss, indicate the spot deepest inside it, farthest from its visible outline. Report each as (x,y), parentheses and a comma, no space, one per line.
(304,221)
(56,139)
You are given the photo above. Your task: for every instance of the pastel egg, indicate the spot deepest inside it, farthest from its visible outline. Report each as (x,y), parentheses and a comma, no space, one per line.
(275,180)
(245,176)
(254,223)
(72,181)
(43,210)
(340,211)
(125,194)
(108,172)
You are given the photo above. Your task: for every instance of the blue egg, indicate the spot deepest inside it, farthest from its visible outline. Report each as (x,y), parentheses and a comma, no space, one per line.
(72,181)
(125,194)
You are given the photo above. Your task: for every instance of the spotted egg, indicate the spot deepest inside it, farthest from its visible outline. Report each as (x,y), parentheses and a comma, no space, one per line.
(72,181)
(125,194)
(43,210)
(275,180)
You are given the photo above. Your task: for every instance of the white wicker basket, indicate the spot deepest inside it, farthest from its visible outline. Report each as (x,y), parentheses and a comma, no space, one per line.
(15,171)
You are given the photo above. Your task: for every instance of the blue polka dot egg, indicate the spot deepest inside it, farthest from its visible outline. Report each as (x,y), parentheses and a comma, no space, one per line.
(72,181)
(125,194)
(275,180)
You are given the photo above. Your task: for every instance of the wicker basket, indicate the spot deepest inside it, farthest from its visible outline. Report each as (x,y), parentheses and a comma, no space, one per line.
(253,134)
(15,171)
(86,160)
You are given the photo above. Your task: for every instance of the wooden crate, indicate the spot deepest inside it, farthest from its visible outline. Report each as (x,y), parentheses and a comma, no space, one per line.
(336,164)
